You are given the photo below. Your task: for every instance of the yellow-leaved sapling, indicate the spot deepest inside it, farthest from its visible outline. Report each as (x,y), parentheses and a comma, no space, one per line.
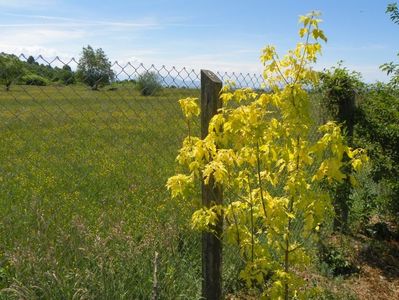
(264,150)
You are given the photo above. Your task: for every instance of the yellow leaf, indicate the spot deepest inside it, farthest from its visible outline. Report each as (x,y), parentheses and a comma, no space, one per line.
(302,32)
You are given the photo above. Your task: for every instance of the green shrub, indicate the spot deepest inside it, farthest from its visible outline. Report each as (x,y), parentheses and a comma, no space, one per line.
(377,130)
(339,89)
(364,200)
(335,260)
(148,83)
(33,79)
(65,75)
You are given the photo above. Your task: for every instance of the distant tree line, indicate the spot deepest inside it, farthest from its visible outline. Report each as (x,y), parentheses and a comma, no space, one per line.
(93,69)
(15,71)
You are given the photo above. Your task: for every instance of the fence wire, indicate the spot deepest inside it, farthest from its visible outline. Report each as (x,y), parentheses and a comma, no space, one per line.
(89,156)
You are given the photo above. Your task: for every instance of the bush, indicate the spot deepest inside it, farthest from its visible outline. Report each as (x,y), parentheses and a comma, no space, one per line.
(335,259)
(33,79)
(364,199)
(339,88)
(65,75)
(148,83)
(377,130)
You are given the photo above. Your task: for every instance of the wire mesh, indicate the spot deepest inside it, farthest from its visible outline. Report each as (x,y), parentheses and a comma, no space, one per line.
(84,158)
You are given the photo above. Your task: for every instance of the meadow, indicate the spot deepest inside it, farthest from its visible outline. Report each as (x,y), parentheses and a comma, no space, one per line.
(84,208)
(83,201)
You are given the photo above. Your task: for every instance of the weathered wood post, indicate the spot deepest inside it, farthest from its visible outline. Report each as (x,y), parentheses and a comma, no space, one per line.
(345,116)
(211,195)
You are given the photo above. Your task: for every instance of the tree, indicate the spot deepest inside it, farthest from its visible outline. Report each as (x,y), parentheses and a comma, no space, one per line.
(67,75)
(148,83)
(392,68)
(94,68)
(64,75)
(262,152)
(31,60)
(11,69)
(392,10)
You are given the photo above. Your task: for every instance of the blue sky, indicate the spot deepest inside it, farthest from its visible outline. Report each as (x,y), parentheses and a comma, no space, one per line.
(214,34)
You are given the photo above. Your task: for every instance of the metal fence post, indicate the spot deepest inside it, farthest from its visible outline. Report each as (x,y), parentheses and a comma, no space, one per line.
(211,195)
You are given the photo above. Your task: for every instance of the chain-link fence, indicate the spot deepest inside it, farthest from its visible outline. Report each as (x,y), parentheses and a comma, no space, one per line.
(85,153)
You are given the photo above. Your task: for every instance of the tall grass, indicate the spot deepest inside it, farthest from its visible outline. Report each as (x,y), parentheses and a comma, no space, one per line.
(83,206)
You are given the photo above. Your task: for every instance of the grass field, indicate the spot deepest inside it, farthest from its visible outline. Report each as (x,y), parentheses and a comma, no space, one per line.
(82,195)
(84,208)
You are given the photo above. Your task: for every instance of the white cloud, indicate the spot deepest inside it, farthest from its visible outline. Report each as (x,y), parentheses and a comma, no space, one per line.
(212,62)
(31,4)
(35,51)
(370,72)
(120,25)
(63,36)
(56,21)
(348,48)
(140,56)
(145,23)
(34,36)
(41,40)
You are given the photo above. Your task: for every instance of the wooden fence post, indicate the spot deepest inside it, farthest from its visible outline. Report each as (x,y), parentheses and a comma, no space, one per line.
(211,86)
(346,116)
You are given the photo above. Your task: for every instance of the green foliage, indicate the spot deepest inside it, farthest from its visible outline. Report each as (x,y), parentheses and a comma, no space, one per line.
(64,75)
(339,89)
(40,74)
(11,69)
(261,153)
(31,60)
(392,10)
(336,260)
(34,79)
(365,199)
(94,68)
(45,71)
(392,68)
(148,83)
(377,130)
